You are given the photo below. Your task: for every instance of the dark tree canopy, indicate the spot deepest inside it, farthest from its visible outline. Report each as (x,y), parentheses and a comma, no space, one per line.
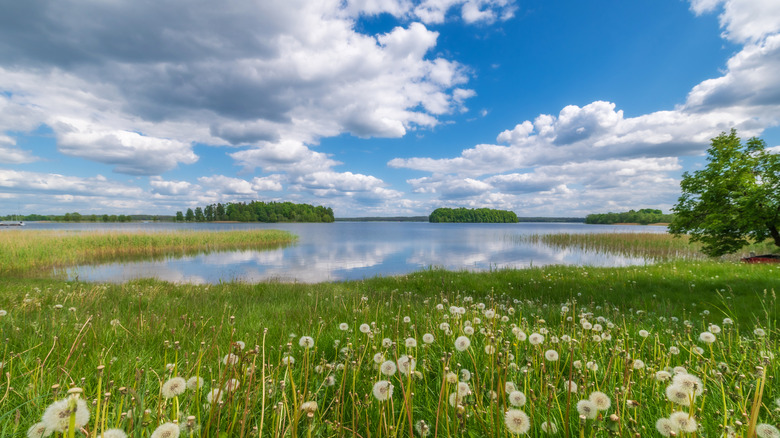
(734,200)
(644,216)
(474,215)
(258,211)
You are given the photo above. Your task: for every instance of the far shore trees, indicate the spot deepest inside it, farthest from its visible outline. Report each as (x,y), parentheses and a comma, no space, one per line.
(474,215)
(258,211)
(734,200)
(644,216)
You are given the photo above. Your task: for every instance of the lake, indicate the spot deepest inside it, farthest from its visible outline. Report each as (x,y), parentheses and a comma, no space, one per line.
(355,250)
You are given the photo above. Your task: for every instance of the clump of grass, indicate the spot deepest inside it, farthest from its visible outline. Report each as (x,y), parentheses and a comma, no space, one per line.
(24,252)
(305,360)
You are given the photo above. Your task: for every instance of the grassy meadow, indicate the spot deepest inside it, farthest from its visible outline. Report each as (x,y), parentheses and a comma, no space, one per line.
(685,347)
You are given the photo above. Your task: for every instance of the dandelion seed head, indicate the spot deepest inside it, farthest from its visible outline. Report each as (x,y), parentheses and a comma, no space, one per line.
(451,378)
(455,399)
(57,415)
(587,408)
(428,338)
(410,343)
(549,428)
(638,364)
(383,390)
(551,355)
(173,387)
(37,430)
(463,389)
(665,427)
(570,386)
(517,422)
(422,428)
(365,328)
(758,331)
(707,337)
(406,364)
(469,330)
(462,343)
(691,383)
(509,387)
(683,422)
(230,359)
(306,341)
(288,360)
(343,326)
(663,376)
(388,368)
(644,333)
(114,433)
(309,406)
(728,321)
(379,358)
(765,430)
(517,398)
(678,394)
(490,349)
(535,339)
(166,430)
(465,375)
(600,400)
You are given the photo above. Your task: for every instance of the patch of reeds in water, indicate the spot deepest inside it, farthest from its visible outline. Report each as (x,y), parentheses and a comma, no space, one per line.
(25,252)
(653,246)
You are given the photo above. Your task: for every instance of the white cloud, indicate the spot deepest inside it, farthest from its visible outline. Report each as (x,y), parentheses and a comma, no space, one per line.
(10,154)
(744,21)
(170,188)
(34,183)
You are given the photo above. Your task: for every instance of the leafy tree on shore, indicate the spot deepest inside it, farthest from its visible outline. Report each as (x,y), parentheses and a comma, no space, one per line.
(734,200)
(644,216)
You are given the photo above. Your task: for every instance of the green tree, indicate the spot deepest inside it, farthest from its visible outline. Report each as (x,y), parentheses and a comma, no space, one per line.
(179,217)
(734,200)
(189,216)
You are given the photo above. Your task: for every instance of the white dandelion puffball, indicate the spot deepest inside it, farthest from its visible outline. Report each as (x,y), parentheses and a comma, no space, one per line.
(388,368)
(214,396)
(230,359)
(678,394)
(231,385)
(517,398)
(288,360)
(343,326)
(428,338)
(309,406)
(674,350)
(465,375)
(387,343)
(665,427)
(306,341)
(535,339)
(194,383)
(240,344)
(683,422)
(407,319)
(707,337)
(663,376)
(600,400)
(691,383)
(462,343)
(551,355)
(444,327)
(379,358)
(3,313)
(549,428)
(764,430)
(114,433)
(463,389)
(489,349)
(587,408)
(410,343)
(517,422)
(422,428)
(570,386)
(509,387)
(728,321)
(593,366)
(451,378)
(715,329)
(174,387)
(383,390)
(644,333)
(57,415)
(455,399)
(37,430)
(166,430)
(406,364)
(577,364)
(638,364)
(365,328)
(519,334)
(469,330)
(759,332)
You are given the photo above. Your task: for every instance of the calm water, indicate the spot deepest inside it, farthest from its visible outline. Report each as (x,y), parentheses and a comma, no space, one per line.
(356,250)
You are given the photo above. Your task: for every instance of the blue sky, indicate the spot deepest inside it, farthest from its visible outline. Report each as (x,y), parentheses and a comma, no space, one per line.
(376,107)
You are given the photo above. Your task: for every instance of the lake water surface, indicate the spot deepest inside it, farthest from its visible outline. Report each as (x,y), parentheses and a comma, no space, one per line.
(355,250)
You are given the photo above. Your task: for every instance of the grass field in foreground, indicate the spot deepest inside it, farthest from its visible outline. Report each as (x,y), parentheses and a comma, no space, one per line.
(684,346)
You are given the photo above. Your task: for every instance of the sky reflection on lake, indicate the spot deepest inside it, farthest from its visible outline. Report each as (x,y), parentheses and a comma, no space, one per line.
(355,250)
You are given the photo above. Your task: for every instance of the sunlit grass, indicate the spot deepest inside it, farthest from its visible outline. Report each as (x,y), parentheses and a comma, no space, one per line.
(612,330)
(24,252)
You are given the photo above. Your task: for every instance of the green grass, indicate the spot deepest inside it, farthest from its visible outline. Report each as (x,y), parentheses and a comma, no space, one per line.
(35,254)
(136,329)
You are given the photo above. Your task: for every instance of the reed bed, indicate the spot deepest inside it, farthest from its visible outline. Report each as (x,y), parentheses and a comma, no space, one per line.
(653,246)
(687,348)
(24,252)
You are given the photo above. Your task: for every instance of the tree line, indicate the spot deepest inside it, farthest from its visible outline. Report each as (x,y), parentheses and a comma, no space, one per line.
(473,215)
(644,216)
(69,217)
(257,211)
